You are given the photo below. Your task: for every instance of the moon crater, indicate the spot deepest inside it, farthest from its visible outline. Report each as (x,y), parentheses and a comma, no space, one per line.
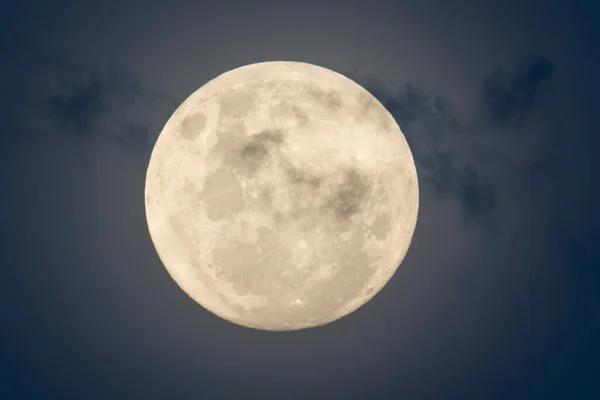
(222,195)
(193,126)
(237,104)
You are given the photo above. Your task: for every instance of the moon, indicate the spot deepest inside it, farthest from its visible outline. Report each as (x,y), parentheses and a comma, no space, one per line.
(281,196)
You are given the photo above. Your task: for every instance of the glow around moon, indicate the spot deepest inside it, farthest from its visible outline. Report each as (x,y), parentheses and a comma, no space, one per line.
(281,196)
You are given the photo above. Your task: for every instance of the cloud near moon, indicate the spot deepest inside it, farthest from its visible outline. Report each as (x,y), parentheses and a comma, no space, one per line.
(281,196)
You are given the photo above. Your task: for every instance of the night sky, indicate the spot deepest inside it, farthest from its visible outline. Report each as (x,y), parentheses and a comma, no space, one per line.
(498,297)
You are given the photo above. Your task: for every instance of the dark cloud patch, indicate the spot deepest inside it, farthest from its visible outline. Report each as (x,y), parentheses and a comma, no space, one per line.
(579,244)
(80,109)
(109,104)
(509,94)
(432,130)
(456,161)
(477,195)
(63,100)
(135,139)
(406,104)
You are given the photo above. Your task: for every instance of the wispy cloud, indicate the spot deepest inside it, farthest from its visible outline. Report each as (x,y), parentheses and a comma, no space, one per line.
(67,100)
(81,108)
(458,159)
(507,95)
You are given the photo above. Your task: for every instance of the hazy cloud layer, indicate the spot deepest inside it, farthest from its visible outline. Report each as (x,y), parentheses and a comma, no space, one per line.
(506,95)
(473,160)
(490,292)
(507,159)
(475,165)
(58,99)
(479,163)
(466,161)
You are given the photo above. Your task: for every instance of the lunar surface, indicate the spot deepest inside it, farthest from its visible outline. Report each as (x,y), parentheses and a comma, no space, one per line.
(281,196)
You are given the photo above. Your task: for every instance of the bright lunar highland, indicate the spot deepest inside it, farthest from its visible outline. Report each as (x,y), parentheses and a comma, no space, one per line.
(281,196)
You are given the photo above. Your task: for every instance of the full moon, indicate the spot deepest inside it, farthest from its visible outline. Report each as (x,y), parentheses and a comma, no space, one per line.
(281,196)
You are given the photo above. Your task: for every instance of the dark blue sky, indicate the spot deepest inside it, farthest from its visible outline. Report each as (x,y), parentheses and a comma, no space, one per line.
(498,297)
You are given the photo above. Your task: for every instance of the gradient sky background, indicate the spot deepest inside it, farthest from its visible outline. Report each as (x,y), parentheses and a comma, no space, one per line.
(498,297)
